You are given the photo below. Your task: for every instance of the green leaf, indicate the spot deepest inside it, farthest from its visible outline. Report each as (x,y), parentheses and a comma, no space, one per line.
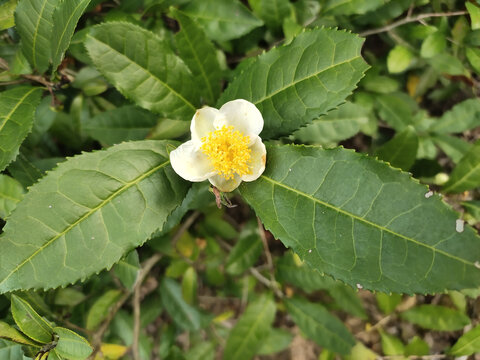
(473,56)
(189,285)
(273,12)
(474,12)
(399,59)
(29,322)
(24,171)
(448,64)
(454,147)
(9,333)
(7,9)
(293,85)
(433,44)
(245,253)
(435,317)
(69,297)
(65,18)
(128,56)
(347,299)
(388,302)
(17,109)
(417,347)
(401,151)
(87,213)
(100,308)
(222,20)
(468,344)
(127,269)
(246,338)
(90,81)
(34,23)
(391,345)
(362,222)
(71,345)
(202,351)
(10,351)
(320,326)
(199,54)
(463,116)
(350,7)
(473,208)
(120,124)
(466,175)
(276,341)
(396,109)
(11,192)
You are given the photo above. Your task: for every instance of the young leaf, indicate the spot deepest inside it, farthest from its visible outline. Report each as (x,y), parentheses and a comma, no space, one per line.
(293,84)
(433,44)
(391,345)
(317,323)
(466,175)
(29,322)
(463,116)
(246,338)
(436,317)
(222,20)
(401,151)
(65,18)
(363,222)
(9,333)
(84,215)
(11,192)
(474,12)
(388,302)
(399,59)
(244,254)
(198,52)
(128,56)
(7,19)
(17,109)
(34,23)
(100,309)
(71,345)
(468,344)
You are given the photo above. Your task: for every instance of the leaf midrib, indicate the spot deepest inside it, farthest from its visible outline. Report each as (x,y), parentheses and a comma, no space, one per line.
(9,115)
(365,221)
(35,33)
(464,178)
(92,211)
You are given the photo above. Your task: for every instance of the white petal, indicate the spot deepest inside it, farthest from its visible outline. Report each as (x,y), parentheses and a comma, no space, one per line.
(190,162)
(203,122)
(223,184)
(243,116)
(258,157)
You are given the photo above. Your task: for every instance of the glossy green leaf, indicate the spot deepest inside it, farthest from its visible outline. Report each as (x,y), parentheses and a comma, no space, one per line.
(399,59)
(128,56)
(468,344)
(272,12)
(436,317)
(127,269)
(8,332)
(320,326)
(120,124)
(29,322)
(7,10)
(363,222)
(100,308)
(11,192)
(253,327)
(199,54)
(466,175)
(463,116)
(350,7)
(71,345)
(454,147)
(245,253)
(10,351)
(401,151)
(17,110)
(34,23)
(222,20)
(295,84)
(276,341)
(65,18)
(396,109)
(87,213)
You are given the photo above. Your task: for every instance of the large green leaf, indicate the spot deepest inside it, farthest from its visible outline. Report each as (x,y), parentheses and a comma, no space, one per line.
(222,20)
(466,175)
(17,109)
(11,192)
(463,116)
(363,222)
(34,23)
(29,322)
(84,215)
(436,317)
(144,68)
(294,84)
(71,345)
(65,20)
(320,326)
(252,328)
(468,344)
(198,52)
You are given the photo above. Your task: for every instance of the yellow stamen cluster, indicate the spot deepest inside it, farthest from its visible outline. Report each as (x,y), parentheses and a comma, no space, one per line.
(228,151)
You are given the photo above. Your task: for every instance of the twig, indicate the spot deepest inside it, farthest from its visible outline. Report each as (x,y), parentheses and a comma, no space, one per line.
(410,19)
(268,283)
(268,255)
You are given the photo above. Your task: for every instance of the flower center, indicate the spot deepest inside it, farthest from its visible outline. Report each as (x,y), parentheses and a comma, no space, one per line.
(228,151)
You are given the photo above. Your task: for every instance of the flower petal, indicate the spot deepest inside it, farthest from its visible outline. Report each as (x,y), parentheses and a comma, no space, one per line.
(203,122)
(223,184)
(190,162)
(258,157)
(242,115)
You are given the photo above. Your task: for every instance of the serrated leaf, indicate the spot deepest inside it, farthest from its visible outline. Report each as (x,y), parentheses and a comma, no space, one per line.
(293,84)
(276,341)
(65,18)
(454,147)
(71,345)
(463,116)
(34,23)
(199,54)
(17,110)
(246,338)
(363,222)
(29,322)
(11,192)
(468,344)
(128,56)
(466,175)
(436,317)
(120,124)
(401,151)
(87,213)
(317,323)
(222,20)
(101,307)
(244,254)
(8,332)
(7,9)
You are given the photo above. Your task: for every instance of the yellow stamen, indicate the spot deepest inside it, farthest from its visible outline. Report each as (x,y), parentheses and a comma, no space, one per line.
(228,151)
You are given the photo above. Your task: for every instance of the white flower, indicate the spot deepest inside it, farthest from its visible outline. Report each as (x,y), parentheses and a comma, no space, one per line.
(225,147)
